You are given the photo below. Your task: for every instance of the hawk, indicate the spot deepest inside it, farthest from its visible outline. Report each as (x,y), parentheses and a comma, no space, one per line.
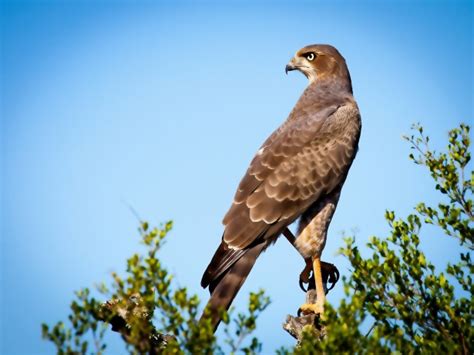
(298,172)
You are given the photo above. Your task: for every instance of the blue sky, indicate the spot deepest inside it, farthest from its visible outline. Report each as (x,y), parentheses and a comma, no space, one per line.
(161,106)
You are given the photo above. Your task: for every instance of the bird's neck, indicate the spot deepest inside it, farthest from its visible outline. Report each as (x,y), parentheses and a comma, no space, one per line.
(330,85)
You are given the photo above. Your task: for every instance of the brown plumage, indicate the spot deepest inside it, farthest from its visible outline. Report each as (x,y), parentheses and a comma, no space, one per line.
(298,172)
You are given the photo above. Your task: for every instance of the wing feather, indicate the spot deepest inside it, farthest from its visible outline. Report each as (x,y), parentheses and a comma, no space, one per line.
(304,159)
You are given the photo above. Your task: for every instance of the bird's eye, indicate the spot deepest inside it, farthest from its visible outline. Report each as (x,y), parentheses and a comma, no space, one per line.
(310,56)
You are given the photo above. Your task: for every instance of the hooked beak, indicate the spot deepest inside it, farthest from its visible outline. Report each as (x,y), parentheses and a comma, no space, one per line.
(292,65)
(289,67)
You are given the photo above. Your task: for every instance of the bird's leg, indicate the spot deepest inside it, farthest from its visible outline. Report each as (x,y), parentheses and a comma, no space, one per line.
(305,275)
(289,236)
(317,307)
(329,272)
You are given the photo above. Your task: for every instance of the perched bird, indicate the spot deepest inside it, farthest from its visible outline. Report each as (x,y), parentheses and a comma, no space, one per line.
(298,172)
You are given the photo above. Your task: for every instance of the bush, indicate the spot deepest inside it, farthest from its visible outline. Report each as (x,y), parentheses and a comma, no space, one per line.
(396,301)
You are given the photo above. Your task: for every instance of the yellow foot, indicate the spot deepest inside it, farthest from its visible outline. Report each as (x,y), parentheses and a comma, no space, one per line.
(309,308)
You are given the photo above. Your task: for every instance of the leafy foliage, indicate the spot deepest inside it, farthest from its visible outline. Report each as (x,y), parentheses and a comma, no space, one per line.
(245,324)
(396,299)
(411,308)
(151,315)
(83,319)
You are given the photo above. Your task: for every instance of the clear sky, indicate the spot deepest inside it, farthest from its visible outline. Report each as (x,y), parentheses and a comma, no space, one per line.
(161,106)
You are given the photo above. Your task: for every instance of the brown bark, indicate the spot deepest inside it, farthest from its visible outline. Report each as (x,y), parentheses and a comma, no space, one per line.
(296,325)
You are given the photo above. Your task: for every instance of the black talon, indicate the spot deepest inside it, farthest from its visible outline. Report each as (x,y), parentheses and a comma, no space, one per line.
(331,277)
(302,286)
(329,280)
(311,284)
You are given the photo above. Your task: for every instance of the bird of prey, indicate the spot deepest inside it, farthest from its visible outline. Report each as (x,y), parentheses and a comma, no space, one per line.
(298,172)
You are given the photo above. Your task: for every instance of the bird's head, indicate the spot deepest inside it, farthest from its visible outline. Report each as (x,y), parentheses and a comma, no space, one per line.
(319,61)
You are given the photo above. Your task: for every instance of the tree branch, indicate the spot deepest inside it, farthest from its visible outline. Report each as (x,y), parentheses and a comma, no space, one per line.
(295,326)
(121,315)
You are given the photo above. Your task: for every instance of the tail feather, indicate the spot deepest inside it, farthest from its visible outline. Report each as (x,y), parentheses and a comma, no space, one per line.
(223,259)
(225,287)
